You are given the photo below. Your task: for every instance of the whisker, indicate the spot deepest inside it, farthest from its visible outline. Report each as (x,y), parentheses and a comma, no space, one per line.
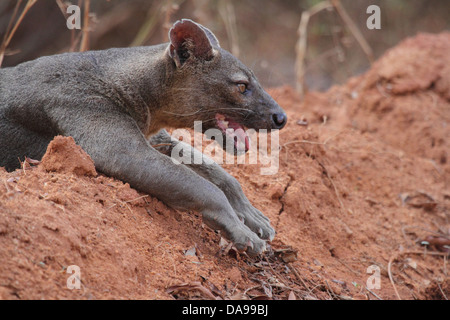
(207,120)
(203,121)
(184,114)
(243,110)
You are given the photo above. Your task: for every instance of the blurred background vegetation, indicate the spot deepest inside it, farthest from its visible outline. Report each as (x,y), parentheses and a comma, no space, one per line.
(262,33)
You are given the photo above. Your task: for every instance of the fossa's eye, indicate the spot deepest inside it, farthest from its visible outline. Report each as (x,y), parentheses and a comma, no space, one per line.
(242,87)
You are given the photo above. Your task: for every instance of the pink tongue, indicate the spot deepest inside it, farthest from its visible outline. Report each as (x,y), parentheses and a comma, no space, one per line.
(241,142)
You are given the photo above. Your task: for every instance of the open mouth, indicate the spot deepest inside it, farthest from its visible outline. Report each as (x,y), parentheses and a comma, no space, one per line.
(235,131)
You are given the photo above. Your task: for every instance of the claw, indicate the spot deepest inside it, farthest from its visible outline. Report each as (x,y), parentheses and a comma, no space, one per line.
(260,232)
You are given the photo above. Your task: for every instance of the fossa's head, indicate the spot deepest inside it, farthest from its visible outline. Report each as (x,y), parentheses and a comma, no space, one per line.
(209,84)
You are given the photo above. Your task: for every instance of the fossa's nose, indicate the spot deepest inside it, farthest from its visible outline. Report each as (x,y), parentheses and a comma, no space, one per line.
(278,120)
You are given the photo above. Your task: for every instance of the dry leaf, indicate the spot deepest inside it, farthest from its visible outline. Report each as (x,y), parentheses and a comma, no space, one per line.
(287,254)
(190,252)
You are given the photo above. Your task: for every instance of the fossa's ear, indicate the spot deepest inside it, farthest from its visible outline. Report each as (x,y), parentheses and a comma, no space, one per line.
(190,40)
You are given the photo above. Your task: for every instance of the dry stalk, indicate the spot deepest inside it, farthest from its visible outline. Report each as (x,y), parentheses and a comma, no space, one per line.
(301,46)
(13,16)
(302,31)
(353,29)
(84,45)
(73,38)
(229,18)
(169,9)
(10,32)
(153,16)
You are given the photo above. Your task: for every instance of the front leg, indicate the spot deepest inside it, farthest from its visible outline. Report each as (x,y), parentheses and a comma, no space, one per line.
(120,150)
(214,173)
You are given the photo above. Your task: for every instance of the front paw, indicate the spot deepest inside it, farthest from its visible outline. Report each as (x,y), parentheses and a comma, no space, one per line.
(256,221)
(243,237)
(246,240)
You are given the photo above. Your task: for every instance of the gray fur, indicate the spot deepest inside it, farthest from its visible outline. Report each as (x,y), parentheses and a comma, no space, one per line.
(113,101)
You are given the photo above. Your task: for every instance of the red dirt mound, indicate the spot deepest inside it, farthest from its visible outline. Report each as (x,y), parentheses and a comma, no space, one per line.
(361,191)
(64,156)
